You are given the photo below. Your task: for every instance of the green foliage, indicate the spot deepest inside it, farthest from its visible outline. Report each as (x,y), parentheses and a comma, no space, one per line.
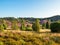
(4,24)
(14,25)
(58,21)
(29,28)
(1,43)
(10,41)
(33,26)
(23,25)
(48,24)
(1,27)
(44,26)
(55,27)
(36,25)
(22,41)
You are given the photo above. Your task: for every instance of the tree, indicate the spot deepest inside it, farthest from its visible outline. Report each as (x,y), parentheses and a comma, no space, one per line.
(55,27)
(23,25)
(44,26)
(48,24)
(14,25)
(4,24)
(1,27)
(36,25)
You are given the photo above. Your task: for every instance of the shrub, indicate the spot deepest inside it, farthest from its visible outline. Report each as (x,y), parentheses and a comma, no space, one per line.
(44,26)
(29,28)
(1,27)
(5,26)
(55,27)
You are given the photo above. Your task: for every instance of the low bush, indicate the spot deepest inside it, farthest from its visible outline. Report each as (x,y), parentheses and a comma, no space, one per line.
(29,28)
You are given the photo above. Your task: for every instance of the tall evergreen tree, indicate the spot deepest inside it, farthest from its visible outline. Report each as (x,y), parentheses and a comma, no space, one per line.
(23,25)
(36,25)
(14,25)
(48,24)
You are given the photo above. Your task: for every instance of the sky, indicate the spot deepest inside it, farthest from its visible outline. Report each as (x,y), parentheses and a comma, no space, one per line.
(29,8)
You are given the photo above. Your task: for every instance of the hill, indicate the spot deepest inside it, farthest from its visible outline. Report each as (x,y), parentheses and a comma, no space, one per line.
(53,18)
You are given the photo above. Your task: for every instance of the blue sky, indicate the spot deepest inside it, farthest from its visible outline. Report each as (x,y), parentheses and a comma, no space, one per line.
(29,8)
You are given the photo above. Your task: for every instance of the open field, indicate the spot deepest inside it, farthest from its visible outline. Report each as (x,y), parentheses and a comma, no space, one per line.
(16,37)
(43,32)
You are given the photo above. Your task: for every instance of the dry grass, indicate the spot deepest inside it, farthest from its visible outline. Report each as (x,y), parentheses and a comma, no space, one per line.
(43,32)
(29,37)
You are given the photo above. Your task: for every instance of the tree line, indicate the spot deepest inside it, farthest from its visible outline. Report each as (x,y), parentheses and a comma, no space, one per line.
(36,25)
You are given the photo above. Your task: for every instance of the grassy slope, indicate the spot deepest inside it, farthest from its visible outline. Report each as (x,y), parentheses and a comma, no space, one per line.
(28,38)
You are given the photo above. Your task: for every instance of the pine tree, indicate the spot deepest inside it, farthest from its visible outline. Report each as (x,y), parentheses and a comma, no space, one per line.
(23,25)
(14,25)
(36,25)
(48,24)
